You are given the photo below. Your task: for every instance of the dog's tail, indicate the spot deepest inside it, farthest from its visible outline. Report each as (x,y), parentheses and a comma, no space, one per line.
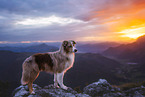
(25,75)
(30,71)
(23,82)
(26,66)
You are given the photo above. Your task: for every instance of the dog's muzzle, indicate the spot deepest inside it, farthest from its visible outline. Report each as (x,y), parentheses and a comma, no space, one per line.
(75,50)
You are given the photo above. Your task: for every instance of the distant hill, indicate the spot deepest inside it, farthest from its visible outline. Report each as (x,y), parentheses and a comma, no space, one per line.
(35,48)
(83,47)
(134,52)
(95,47)
(87,69)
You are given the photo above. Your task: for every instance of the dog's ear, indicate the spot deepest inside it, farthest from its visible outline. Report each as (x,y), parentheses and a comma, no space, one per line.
(73,41)
(65,43)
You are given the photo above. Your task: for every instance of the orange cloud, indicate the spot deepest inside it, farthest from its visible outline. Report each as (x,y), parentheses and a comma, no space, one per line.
(122,17)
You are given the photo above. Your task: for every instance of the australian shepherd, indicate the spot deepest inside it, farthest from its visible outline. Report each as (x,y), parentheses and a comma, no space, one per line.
(56,62)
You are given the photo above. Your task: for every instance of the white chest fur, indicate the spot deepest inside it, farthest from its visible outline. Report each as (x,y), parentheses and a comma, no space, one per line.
(70,62)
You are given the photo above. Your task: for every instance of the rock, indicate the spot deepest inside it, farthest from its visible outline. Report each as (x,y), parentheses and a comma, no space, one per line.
(135,92)
(113,95)
(97,89)
(103,89)
(23,91)
(47,91)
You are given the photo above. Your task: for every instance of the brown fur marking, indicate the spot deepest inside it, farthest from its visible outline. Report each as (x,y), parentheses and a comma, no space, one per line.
(42,59)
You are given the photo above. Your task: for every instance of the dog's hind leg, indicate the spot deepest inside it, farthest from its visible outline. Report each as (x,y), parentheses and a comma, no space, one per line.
(33,75)
(30,88)
(60,80)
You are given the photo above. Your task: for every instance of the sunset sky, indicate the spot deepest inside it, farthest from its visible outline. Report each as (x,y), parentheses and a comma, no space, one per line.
(29,21)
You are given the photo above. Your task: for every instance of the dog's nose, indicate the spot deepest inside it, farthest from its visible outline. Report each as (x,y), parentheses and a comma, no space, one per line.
(75,50)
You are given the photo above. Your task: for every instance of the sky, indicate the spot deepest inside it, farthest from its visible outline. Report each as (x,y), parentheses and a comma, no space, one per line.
(27,21)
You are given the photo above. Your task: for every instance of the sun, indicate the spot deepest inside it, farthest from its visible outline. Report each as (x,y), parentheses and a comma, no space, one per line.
(133,33)
(134,36)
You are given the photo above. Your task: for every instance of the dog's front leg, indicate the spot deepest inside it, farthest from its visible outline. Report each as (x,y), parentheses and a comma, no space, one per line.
(55,81)
(60,80)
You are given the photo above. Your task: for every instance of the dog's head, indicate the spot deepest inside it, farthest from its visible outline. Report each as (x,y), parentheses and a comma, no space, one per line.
(69,46)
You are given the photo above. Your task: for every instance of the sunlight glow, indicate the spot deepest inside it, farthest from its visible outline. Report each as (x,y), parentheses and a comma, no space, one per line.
(133,33)
(47,21)
(91,38)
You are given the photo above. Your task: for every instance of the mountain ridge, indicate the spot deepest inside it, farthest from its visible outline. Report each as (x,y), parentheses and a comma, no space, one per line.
(133,52)
(95,47)
(34,48)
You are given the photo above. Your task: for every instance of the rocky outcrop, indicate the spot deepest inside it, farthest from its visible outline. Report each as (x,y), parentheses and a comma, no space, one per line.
(135,92)
(103,89)
(47,91)
(97,89)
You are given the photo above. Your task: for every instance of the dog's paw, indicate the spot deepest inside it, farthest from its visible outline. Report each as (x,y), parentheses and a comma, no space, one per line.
(56,86)
(32,92)
(65,87)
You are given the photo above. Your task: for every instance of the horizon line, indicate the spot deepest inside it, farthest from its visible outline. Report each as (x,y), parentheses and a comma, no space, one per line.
(29,42)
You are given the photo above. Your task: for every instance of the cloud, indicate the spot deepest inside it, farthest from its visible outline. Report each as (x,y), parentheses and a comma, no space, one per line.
(118,7)
(56,20)
(45,21)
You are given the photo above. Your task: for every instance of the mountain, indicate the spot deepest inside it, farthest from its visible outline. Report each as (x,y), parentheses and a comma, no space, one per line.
(87,68)
(56,44)
(95,47)
(134,52)
(132,56)
(34,48)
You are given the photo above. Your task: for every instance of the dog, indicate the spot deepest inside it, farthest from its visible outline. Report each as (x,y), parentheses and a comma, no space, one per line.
(54,62)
